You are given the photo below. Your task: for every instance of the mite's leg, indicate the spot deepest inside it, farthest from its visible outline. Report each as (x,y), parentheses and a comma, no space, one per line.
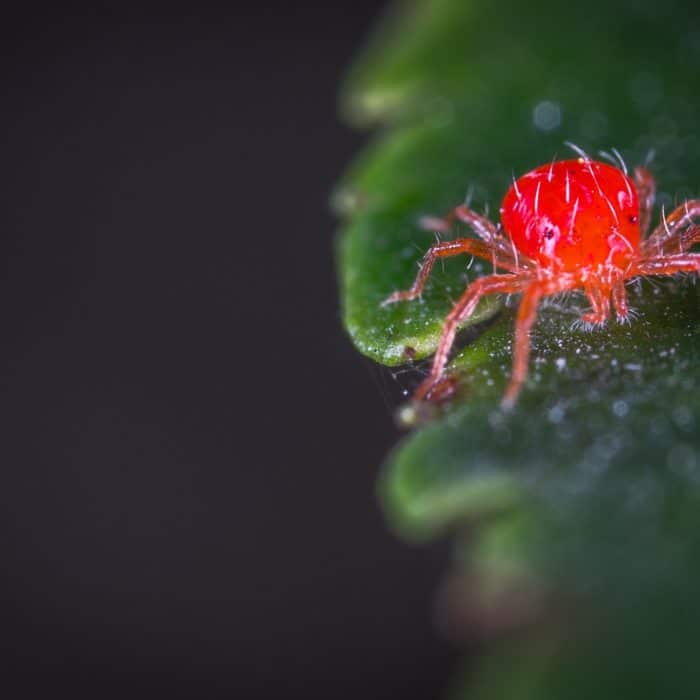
(483,227)
(470,246)
(492,284)
(527,313)
(667,265)
(600,303)
(619,296)
(669,237)
(646,190)
(690,237)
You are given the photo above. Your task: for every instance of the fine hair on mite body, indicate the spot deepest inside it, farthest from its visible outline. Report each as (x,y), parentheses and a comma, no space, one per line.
(566,225)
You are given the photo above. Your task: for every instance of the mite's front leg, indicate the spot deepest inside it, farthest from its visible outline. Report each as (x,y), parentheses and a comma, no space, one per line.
(446,249)
(600,306)
(619,296)
(527,314)
(493,284)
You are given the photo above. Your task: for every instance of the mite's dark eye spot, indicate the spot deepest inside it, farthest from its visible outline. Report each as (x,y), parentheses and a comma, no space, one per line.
(633,219)
(548,233)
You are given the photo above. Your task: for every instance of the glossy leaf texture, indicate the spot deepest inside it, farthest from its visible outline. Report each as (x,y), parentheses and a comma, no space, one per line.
(577,516)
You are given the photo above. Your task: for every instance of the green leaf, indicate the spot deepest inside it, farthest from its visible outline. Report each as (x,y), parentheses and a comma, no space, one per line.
(590,488)
(619,403)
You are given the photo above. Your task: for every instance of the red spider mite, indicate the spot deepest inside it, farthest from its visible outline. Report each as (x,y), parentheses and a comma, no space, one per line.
(566,225)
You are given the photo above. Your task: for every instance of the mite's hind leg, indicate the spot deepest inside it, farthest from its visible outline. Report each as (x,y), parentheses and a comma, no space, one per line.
(600,306)
(470,246)
(646,190)
(493,284)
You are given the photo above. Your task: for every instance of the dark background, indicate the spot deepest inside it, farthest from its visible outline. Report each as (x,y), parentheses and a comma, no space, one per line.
(189,443)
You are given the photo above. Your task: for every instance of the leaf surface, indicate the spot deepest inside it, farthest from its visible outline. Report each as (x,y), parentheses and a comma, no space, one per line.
(591,486)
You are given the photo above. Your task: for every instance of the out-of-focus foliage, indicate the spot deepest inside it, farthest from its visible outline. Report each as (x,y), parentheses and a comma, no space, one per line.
(587,496)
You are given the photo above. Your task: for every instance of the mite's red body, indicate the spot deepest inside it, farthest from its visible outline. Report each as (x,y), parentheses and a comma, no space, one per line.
(573,214)
(566,225)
